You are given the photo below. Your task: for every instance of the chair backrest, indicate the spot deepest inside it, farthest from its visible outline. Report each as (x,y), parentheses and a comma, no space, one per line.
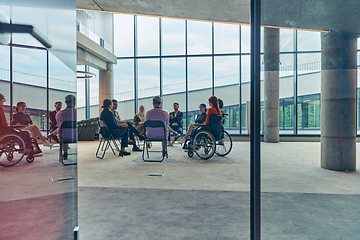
(216,126)
(155,124)
(104,130)
(68,132)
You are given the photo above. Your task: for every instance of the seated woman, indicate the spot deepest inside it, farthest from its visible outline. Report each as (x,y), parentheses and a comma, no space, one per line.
(4,128)
(201,118)
(139,119)
(214,109)
(21,118)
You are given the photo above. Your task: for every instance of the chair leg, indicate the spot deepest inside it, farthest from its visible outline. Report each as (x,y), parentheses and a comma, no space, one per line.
(102,149)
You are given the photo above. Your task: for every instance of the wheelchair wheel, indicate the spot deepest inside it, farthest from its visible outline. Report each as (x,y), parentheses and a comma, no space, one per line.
(12,150)
(204,144)
(190,153)
(224,146)
(30,159)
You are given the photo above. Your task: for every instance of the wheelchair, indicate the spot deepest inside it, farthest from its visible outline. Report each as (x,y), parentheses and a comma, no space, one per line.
(14,146)
(207,143)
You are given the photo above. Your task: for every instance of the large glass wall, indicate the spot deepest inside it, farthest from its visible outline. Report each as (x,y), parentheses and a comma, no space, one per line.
(213,58)
(38,76)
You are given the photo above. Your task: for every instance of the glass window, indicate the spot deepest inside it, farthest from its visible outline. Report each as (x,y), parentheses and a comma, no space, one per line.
(148,36)
(286,40)
(227,88)
(29,74)
(199,84)
(124,87)
(199,37)
(245,39)
(226,38)
(309,41)
(173,36)
(148,81)
(286,93)
(124,35)
(245,92)
(5,78)
(174,84)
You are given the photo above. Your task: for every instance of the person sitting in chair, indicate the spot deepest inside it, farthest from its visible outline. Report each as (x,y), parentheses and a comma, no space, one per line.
(157,114)
(22,118)
(31,143)
(68,114)
(132,131)
(201,118)
(214,109)
(175,120)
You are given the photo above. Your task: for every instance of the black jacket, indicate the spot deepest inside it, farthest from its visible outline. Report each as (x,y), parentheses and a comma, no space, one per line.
(176,119)
(201,118)
(115,129)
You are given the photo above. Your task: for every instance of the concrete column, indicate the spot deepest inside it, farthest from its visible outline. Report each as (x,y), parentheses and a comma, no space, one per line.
(338,101)
(271,85)
(106,84)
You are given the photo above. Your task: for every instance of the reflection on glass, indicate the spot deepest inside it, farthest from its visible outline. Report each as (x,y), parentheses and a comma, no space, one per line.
(124,35)
(286,40)
(61,76)
(173,36)
(308,41)
(148,36)
(199,37)
(5,63)
(226,38)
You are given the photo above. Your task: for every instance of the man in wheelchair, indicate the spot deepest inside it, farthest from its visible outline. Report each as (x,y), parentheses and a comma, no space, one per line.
(14,143)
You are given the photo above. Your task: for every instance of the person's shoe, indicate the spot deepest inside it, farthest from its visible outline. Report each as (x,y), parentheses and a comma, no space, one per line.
(169,143)
(65,155)
(148,145)
(185,146)
(181,141)
(47,144)
(136,149)
(124,153)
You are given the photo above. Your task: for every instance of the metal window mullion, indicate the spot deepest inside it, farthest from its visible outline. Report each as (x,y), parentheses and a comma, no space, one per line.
(87,94)
(11,78)
(47,93)
(186,76)
(240,93)
(255,191)
(135,66)
(295,85)
(212,60)
(160,63)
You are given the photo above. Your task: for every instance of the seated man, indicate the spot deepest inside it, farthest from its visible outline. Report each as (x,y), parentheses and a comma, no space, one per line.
(176,120)
(157,114)
(132,130)
(68,114)
(117,130)
(53,123)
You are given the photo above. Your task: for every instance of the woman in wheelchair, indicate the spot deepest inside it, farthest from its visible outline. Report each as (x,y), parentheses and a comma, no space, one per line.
(212,123)
(11,138)
(23,119)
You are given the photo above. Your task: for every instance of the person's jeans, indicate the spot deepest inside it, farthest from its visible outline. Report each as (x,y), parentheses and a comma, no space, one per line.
(177,129)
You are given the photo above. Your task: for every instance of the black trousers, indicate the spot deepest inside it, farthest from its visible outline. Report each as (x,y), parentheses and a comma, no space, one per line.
(132,132)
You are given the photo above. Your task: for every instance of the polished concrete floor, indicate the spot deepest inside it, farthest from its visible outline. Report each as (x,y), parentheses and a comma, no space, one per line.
(32,205)
(209,199)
